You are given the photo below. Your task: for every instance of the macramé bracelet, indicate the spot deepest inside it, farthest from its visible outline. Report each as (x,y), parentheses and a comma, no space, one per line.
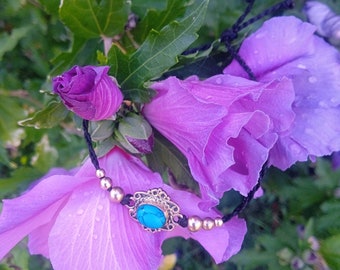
(153,208)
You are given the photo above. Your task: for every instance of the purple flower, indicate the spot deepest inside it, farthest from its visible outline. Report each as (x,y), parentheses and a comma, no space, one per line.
(326,21)
(71,220)
(336,160)
(89,92)
(286,47)
(223,125)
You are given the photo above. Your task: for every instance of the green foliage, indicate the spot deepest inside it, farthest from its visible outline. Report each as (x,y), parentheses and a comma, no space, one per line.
(140,7)
(309,222)
(39,39)
(169,162)
(10,112)
(76,54)
(90,19)
(51,115)
(156,20)
(9,41)
(157,53)
(330,250)
(18,258)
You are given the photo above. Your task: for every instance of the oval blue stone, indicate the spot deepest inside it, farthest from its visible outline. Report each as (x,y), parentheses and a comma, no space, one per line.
(151,216)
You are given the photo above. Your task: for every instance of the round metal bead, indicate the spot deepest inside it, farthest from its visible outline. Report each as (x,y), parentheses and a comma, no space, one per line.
(116,194)
(105,183)
(100,173)
(218,222)
(194,223)
(208,223)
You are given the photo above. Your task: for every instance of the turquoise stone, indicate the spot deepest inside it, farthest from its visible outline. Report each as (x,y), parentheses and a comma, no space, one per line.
(151,216)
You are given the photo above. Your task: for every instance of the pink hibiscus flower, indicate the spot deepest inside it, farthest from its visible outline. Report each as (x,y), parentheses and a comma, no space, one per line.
(223,126)
(83,90)
(71,220)
(228,126)
(287,47)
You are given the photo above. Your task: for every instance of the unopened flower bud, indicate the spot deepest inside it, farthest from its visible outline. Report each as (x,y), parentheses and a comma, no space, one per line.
(297,263)
(135,134)
(89,92)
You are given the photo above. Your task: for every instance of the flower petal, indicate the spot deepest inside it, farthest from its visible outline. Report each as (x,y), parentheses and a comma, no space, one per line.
(10,237)
(260,50)
(222,242)
(38,238)
(250,153)
(171,112)
(313,66)
(316,136)
(107,98)
(93,233)
(33,209)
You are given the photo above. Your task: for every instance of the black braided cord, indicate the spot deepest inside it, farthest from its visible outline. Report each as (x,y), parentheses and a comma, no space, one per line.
(88,140)
(231,34)
(183,221)
(94,159)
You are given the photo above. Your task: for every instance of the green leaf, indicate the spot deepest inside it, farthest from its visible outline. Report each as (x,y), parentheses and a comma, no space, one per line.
(116,59)
(3,156)
(205,63)
(10,113)
(157,20)
(19,180)
(250,259)
(51,6)
(105,146)
(50,116)
(330,250)
(65,59)
(4,267)
(101,130)
(17,258)
(159,52)
(329,220)
(140,7)
(8,42)
(167,159)
(92,19)
(45,155)
(101,58)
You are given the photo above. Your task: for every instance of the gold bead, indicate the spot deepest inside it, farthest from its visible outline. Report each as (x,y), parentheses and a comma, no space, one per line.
(105,183)
(194,223)
(208,223)
(218,222)
(116,194)
(100,173)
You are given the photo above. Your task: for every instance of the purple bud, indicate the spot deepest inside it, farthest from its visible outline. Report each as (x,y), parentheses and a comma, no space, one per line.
(135,134)
(300,229)
(89,92)
(314,243)
(310,257)
(297,263)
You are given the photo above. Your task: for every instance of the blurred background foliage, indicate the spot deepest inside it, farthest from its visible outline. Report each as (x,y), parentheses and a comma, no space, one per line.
(295,225)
